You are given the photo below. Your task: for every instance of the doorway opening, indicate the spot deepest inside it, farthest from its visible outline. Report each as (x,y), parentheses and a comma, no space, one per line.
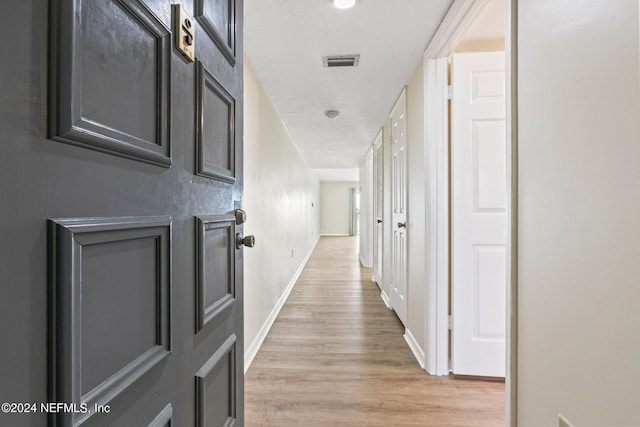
(470,323)
(354,229)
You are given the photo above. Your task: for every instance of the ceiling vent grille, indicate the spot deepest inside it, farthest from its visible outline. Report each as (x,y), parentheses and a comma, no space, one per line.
(341,60)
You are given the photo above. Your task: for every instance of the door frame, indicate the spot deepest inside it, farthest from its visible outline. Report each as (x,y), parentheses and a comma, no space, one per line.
(459,17)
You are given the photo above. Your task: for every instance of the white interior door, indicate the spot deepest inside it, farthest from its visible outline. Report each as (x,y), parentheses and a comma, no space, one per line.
(399,211)
(479,214)
(378,181)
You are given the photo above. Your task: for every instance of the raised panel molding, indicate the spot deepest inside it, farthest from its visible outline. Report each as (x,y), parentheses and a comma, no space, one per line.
(69,99)
(212,145)
(489,291)
(163,419)
(489,165)
(220,367)
(210,307)
(69,239)
(487,86)
(224,38)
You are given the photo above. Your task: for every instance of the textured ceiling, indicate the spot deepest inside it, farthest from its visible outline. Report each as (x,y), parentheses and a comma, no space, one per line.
(285,41)
(340,174)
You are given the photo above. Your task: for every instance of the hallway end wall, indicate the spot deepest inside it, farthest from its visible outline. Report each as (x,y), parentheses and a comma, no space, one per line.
(335,207)
(281,199)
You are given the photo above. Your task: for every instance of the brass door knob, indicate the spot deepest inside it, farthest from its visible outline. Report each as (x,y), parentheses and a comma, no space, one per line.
(402,225)
(248,241)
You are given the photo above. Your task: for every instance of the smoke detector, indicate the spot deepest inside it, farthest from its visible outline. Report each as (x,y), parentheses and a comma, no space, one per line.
(332,114)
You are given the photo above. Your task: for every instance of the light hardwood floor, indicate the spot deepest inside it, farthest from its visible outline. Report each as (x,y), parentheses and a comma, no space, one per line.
(335,356)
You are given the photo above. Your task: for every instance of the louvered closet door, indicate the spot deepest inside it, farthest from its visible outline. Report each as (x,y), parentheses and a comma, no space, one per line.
(119,253)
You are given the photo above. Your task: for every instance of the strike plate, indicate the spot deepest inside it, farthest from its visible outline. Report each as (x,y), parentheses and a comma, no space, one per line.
(184,31)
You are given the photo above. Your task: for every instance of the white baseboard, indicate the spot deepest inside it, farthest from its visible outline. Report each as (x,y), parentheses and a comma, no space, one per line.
(334,235)
(251,352)
(364,264)
(415,347)
(386,299)
(377,281)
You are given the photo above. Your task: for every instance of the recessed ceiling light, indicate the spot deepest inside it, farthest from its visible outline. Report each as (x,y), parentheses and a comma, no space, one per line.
(343,4)
(332,114)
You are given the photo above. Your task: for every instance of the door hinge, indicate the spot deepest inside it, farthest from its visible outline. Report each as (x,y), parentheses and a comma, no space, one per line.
(449,92)
(450,320)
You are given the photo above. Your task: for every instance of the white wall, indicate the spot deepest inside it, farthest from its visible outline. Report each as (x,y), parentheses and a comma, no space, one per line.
(335,207)
(367,213)
(578,212)
(281,197)
(416,207)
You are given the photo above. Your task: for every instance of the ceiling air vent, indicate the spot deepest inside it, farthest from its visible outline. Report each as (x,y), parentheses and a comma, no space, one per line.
(341,60)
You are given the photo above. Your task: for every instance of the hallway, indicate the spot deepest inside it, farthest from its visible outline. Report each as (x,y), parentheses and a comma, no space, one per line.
(336,356)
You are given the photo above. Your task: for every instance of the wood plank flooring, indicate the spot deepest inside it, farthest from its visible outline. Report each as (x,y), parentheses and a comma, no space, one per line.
(335,356)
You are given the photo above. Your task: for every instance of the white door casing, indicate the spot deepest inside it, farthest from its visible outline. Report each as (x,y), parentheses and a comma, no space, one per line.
(399,211)
(378,184)
(479,214)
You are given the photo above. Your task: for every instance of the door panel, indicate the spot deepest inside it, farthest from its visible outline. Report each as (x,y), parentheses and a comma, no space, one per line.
(215,128)
(399,213)
(378,183)
(218,19)
(216,267)
(488,292)
(163,419)
(110,295)
(478,206)
(120,49)
(489,166)
(118,239)
(216,409)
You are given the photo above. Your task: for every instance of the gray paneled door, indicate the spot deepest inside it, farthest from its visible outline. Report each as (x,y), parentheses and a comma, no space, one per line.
(121,180)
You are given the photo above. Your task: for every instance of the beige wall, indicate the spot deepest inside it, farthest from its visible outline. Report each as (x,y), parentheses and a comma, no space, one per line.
(335,207)
(579,213)
(496,45)
(487,31)
(416,199)
(281,197)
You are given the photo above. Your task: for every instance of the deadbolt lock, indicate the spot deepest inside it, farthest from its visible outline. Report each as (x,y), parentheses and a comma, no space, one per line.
(241,216)
(185,34)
